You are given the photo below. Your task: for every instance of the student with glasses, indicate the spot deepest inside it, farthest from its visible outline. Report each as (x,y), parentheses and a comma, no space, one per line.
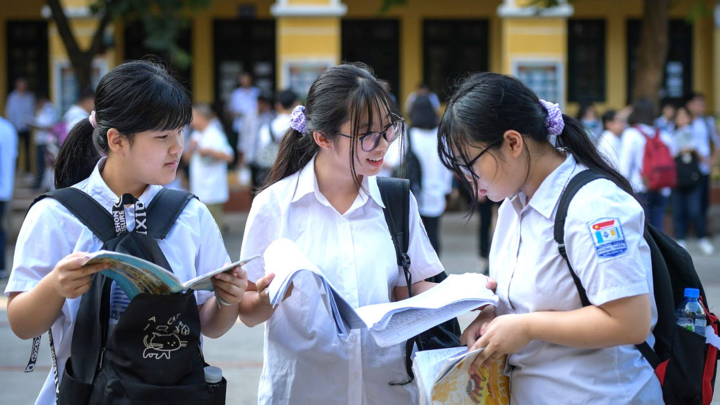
(507,144)
(322,194)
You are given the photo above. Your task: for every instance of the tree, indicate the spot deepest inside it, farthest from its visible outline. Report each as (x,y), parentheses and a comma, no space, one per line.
(162,20)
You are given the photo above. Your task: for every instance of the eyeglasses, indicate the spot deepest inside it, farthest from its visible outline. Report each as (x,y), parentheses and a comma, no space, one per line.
(467,169)
(371,140)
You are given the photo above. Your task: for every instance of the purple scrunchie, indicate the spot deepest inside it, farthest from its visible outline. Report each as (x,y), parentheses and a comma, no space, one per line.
(554,121)
(297,119)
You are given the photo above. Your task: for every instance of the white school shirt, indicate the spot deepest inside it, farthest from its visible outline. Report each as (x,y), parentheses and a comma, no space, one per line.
(8,154)
(279,124)
(609,145)
(244,101)
(632,152)
(532,276)
(305,362)
(50,232)
(73,115)
(704,130)
(208,176)
(436,178)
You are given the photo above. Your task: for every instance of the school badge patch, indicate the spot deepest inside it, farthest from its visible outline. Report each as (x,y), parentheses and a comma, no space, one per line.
(608,236)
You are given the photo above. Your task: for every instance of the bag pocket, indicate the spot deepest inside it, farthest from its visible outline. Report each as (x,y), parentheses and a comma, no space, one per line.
(683,377)
(72,390)
(126,392)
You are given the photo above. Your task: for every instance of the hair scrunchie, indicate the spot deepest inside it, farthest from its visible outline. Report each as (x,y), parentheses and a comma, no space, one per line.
(297,119)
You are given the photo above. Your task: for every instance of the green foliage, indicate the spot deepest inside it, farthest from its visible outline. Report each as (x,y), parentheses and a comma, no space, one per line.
(163,21)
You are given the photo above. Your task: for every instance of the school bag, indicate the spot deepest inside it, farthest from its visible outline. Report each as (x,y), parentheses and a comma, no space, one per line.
(659,169)
(267,154)
(153,355)
(410,169)
(395,195)
(688,171)
(685,365)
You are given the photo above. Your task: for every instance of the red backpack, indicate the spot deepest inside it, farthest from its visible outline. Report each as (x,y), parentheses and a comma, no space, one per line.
(659,169)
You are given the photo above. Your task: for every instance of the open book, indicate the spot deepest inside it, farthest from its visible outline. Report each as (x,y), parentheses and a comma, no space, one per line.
(135,276)
(444,377)
(389,323)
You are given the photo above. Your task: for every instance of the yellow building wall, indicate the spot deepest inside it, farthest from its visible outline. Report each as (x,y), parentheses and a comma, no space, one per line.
(9,11)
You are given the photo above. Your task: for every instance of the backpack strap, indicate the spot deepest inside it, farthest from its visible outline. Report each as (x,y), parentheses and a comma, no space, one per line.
(395,195)
(165,209)
(86,209)
(578,182)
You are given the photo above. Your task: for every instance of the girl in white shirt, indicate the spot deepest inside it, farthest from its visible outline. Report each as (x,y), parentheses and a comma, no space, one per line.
(322,194)
(507,144)
(137,124)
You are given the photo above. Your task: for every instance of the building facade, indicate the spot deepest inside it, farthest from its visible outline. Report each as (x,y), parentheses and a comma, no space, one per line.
(582,51)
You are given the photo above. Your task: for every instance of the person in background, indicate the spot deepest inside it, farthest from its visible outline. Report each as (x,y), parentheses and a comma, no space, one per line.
(436,181)
(80,110)
(209,154)
(611,137)
(588,116)
(45,119)
(687,200)
(666,121)
(20,110)
(422,90)
(388,88)
(244,102)
(632,153)
(8,154)
(703,126)
(270,133)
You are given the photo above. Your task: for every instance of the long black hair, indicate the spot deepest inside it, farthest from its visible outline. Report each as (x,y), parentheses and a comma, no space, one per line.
(486,105)
(341,93)
(134,97)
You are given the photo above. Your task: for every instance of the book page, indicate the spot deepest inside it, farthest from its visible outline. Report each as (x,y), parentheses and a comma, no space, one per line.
(134,275)
(427,365)
(486,385)
(285,259)
(204,282)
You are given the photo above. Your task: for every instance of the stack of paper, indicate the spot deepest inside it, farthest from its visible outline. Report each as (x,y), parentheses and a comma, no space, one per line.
(389,323)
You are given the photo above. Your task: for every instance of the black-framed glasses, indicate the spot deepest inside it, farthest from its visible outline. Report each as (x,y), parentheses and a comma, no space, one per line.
(371,140)
(467,169)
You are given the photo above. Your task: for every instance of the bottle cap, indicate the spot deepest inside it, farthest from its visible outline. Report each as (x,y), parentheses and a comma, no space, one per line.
(213,374)
(692,293)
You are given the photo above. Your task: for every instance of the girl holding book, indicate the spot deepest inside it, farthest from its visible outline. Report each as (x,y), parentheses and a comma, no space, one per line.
(140,111)
(507,144)
(323,195)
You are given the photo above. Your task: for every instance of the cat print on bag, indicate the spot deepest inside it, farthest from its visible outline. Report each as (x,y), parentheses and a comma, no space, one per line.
(161,343)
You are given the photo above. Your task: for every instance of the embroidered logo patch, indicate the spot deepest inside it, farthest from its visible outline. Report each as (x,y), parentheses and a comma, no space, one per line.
(608,236)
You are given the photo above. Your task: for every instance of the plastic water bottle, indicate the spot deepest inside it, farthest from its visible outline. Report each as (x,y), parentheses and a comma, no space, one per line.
(690,314)
(214,378)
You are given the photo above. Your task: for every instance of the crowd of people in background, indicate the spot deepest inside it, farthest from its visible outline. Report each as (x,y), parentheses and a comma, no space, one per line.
(258,120)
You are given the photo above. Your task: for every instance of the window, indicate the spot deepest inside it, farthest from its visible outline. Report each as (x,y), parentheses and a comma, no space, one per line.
(135,49)
(677,77)
(27,54)
(586,60)
(243,45)
(375,43)
(453,48)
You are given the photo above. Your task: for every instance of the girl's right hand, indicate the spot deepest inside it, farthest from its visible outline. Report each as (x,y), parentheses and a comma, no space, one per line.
(264,293)
(478,327)
(70,278)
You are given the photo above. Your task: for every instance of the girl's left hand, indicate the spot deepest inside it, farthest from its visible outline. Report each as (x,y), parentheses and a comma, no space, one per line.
(230,286)
(506,334)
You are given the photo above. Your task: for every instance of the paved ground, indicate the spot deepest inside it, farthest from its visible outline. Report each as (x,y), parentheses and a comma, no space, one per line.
(239,352)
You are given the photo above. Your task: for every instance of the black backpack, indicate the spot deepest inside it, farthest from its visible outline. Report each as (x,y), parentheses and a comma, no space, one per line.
(410,168)
(396,197)
(153,355)
(685,365)
(688,171)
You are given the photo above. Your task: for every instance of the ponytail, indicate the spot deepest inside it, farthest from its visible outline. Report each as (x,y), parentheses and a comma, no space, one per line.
(295,151)
(77,157)
(575,139)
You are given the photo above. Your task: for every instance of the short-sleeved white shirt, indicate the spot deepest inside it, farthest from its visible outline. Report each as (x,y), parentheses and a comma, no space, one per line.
(305,362)
(436,178)
(532,276)
(610,146)
(50,232)
(208,176)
